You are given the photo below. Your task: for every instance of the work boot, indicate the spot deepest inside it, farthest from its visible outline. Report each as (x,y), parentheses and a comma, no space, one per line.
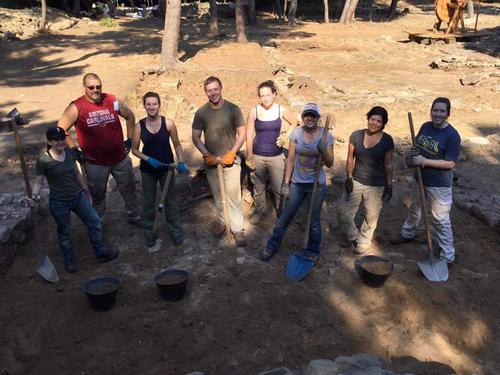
(217,229)
(70,265)
(240,239)
(399,239)
(110,255)
(150,241)
(134,220)
(344,242)
(266,254)
(256,218)
(361,250)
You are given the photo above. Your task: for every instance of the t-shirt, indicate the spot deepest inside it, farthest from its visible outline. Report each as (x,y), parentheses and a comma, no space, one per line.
(438,144)
(369,167)
(99,131)
(306,156)
(219,126)
(60,175)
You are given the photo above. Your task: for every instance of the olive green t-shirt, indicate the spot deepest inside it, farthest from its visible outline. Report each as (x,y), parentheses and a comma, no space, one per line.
(219,126)
(60,175)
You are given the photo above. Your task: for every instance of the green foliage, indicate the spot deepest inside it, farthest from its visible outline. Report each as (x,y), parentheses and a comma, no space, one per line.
(108,22)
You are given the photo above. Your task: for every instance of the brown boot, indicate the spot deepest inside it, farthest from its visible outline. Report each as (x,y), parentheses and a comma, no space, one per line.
(240,239)
(256,218)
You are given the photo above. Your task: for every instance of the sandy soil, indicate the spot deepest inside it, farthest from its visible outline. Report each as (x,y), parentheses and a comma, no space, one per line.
(241,315)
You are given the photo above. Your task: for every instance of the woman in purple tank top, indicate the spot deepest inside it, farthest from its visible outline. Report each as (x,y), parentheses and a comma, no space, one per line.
(266,137)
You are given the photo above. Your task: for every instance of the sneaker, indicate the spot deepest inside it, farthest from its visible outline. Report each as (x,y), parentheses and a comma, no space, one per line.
(70,266)
(217,229)
(399,239)
(344,242)
(266,254)
(256,218)
(110,255)
(240,239)
(150,241)
(360,250)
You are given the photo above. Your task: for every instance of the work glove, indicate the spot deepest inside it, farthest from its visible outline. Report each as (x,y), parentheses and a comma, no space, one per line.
(127,144)
(386,197)
(285,190)
(282,139)
(414,151)
(86,194)
(228,159)
(156,164)
(415,161)
(250,163)
(181,167)
(210,159)
(78,154)
(322,146)
(348,185)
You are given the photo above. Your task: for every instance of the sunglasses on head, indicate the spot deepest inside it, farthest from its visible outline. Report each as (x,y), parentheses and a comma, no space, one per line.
(97,87)
(61,137)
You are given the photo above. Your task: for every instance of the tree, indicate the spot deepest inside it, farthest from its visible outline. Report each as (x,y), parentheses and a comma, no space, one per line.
(76,8)
(252,14)
(241,35)
(348,13)
(170,42)
(292,12)
(327,16)
(214,22)
(43,19)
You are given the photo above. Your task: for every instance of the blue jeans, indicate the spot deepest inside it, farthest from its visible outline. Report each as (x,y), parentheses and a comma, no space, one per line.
(299,192)
(61,211)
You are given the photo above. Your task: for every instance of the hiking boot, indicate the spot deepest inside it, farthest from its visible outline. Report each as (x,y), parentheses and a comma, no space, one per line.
(256,218)
(70,266)
(266,254)
(150,241)
(134,220)
(110,255)
(360,250)
(240,239)
(217,229)
(399,239)
(344,242)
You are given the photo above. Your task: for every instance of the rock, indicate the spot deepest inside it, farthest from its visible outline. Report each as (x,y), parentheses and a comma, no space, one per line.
(473,79)
(240,260)
(322,367)
(278,371)
(496,88)
(366,360)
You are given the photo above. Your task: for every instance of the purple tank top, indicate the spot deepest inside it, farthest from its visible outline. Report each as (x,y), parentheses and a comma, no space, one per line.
(266,134)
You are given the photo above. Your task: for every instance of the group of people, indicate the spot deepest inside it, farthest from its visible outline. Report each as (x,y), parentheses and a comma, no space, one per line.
(282,154)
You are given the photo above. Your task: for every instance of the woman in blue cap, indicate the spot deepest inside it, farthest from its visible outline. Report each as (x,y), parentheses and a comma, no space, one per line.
(68,193)
(304,148)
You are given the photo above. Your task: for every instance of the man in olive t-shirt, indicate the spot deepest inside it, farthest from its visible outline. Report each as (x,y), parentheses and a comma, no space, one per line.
(223,128)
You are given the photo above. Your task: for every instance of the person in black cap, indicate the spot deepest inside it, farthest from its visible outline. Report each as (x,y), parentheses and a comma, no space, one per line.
(68,193)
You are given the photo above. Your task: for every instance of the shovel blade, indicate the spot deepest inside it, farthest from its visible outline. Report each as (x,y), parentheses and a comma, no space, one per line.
(46,269)
(298,267)
(434,269)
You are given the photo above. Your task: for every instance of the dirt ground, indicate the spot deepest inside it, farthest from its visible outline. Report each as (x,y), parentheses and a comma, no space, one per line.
(240,315)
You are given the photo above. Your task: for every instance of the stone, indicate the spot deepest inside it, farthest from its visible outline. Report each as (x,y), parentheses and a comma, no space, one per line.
(279,371)
(472,79)
(366,360)
(322,367)
(240,260)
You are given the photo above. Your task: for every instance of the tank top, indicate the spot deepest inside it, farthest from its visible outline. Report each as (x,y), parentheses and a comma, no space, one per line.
(266,134)
(156,145)
(99,131)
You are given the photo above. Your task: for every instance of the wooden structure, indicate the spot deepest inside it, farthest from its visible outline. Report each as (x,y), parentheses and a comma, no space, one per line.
(430,37)
(451,12)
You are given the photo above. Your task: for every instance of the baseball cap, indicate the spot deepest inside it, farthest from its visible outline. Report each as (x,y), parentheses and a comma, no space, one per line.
(312,108)
(55,133)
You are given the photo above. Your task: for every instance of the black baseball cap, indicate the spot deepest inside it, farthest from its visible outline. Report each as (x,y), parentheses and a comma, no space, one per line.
(55,133)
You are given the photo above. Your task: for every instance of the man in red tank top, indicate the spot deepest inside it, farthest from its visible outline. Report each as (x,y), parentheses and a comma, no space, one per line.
(95,116)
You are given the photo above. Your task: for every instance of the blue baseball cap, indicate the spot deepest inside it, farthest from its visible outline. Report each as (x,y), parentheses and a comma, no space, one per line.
(312,108)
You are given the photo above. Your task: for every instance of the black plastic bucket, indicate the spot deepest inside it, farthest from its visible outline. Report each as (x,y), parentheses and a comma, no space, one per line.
(373,270)
(172,284)
(102,292)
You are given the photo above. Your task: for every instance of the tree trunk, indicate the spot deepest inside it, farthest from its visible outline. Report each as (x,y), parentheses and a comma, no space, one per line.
(252,14)
(43,19)
(241,35)
(349,11)
(76,8)
(470,9)
(214,22)
(64,5)
(291,13)
(392,9)
(327,11)
(163,7)
(344,11)
(170,42)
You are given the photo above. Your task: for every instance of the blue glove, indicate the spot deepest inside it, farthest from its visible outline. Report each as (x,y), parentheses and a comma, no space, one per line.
(153,162)
(181,167)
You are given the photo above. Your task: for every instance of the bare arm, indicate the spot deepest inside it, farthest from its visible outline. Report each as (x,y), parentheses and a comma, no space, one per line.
(241,133)
(439,164)
(67,120)
(196,138)
(388,167)
(289,162)
(250,132)
(328,158)
(37,186)
(172,130)
(349,165)
(129,117)
(136,142)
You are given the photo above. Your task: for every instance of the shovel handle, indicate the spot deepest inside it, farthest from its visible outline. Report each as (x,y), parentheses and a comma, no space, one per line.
(161,201)
(223,200)
(421,187)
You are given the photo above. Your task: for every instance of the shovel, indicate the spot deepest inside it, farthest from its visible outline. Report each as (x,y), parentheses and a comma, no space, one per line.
(434,269)
(224,201)
(45,267)
(299,264)
(163,196)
